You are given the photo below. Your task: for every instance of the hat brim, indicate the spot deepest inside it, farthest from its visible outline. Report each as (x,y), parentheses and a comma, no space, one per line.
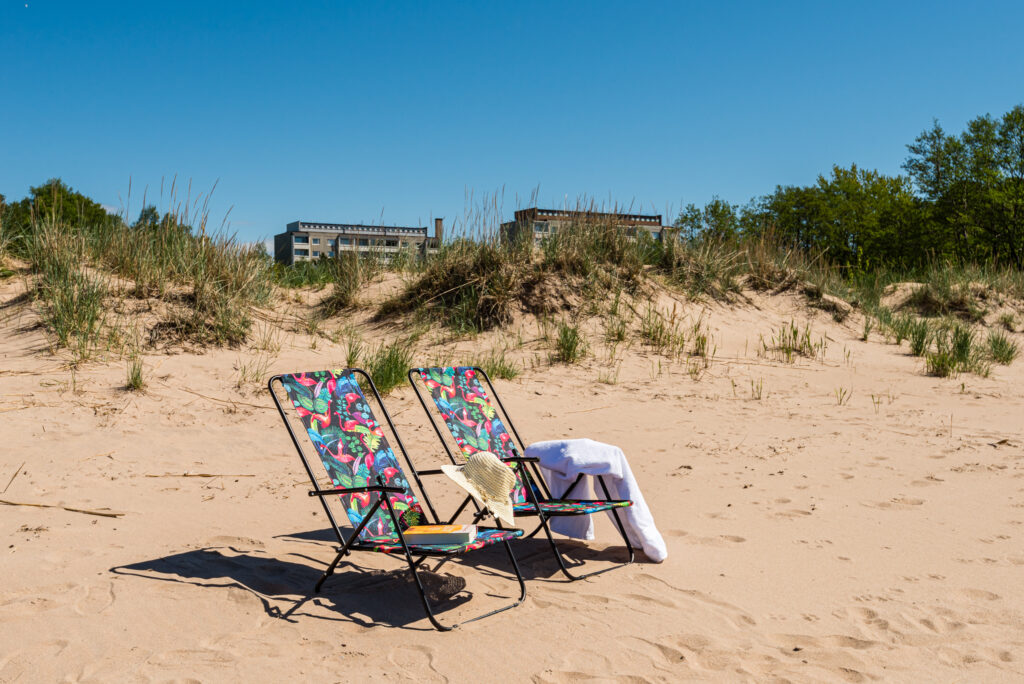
(502,509)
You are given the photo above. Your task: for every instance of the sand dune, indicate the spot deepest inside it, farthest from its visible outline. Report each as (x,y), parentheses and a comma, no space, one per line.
(876,539)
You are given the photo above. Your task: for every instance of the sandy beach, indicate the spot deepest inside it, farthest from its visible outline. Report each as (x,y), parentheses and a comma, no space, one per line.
(846,518)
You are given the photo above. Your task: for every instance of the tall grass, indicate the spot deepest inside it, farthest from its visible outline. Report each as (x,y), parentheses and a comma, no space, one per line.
(210,282)
(71,297)
(348,273)
(497,365)
(570,346)
(1001,348)
(388,364)
(956,351)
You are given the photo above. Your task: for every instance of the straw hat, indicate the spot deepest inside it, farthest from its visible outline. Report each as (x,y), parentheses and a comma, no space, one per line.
(487,480)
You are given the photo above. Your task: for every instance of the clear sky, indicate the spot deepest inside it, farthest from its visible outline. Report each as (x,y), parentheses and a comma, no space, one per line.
(394,112)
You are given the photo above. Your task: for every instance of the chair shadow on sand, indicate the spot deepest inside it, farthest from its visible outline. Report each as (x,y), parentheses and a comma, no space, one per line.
(361,595)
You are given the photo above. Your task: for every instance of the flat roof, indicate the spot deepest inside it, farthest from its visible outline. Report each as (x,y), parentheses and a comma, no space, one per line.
(570,213)
(296,226)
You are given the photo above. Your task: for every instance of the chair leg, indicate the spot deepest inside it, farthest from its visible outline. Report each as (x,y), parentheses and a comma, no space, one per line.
(329,571)
(558,554)
(429,611)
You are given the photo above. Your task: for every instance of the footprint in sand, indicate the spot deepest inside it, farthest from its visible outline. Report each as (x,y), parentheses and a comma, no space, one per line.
(95,598)
(980,594)
(416,661)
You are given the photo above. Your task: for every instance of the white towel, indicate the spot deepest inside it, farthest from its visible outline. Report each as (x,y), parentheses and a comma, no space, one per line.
(562,460)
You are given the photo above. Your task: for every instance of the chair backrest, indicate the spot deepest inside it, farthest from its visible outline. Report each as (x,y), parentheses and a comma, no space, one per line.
(470,416)
(351,445)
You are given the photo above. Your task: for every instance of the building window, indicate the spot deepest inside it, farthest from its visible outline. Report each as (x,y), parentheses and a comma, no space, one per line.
(330,254)
(302,252)
(344,241)
(316,241)
(301,239)
(316,254)
(363,242)
(391,243)
(540,227)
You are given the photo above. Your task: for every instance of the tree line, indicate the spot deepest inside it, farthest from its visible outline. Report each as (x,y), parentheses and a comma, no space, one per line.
(962,199)
(55,200)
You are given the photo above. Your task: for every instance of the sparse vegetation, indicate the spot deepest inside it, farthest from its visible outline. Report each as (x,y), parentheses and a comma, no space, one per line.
(388,364)
(1001,348)
(569,344)
(789,341)
(497,365)
(920,336)
(135,382)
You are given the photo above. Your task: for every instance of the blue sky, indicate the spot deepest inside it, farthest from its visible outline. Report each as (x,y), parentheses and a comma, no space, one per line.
(397,112)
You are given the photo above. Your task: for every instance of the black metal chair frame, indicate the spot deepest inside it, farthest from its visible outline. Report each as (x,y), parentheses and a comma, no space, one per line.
(353,543)
(530,473)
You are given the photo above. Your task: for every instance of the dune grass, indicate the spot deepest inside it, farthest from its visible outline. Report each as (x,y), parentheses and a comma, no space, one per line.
(388,364)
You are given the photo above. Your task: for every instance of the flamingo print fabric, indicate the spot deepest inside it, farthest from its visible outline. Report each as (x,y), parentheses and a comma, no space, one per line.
(352,446)
(470,417)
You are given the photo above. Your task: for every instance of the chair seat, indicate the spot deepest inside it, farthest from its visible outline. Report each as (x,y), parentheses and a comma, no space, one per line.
(484,537)
(568,506)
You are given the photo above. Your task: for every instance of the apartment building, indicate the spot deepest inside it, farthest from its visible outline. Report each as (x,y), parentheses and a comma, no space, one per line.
(541,223)
(307,241)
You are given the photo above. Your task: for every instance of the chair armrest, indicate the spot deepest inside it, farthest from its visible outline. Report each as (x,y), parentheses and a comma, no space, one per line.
(521,459)
(356,490)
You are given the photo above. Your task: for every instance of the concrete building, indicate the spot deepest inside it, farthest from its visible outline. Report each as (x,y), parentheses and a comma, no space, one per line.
(541,223)
(307,241)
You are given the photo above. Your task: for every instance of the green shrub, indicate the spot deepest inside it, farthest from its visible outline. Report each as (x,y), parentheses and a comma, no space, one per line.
(135,382)
(72,299)
(1001,348)
(388,365)
(497,365)
(569,345)
(920,336)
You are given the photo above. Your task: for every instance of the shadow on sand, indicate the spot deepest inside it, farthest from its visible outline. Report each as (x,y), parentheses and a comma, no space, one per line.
(363,596)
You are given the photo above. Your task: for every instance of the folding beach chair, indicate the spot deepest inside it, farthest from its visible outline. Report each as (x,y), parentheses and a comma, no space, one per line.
(476,425)
(367,477)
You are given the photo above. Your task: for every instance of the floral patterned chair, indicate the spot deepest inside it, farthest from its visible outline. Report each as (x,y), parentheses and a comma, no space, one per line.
(475,424)
(367,480)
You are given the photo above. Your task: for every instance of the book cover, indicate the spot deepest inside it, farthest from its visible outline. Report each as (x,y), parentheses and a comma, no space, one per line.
(440,534)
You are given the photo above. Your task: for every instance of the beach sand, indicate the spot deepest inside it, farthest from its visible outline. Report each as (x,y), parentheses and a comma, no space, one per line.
(809,540)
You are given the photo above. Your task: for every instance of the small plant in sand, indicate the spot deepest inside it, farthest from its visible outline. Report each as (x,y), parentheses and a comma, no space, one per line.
(253,371)
(842,395)
(955,352)
(134,381)
(1001,348)
(1008,321)
(355,351)
(868,324)
(756,389)
(569,344)
(388,365)
(609,377)
(497,365)
(789,341)
(901,326)
(920,337)
(614,330)
(662,333)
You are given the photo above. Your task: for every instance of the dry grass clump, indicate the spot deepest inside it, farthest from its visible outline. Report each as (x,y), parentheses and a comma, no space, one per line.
(347,274)
(72,298)
(209,283)
(471,285)
(790,341)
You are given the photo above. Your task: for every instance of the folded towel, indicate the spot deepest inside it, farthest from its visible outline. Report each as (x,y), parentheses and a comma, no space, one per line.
(562,460)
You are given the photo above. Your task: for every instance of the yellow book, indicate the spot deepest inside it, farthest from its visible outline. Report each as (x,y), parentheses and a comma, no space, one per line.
(440,534)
